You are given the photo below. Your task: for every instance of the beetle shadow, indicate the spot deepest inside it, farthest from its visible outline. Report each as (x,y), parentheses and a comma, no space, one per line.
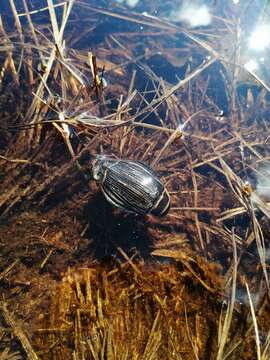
(109,229)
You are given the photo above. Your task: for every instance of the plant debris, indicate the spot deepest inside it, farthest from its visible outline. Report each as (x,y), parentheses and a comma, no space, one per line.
(82,280)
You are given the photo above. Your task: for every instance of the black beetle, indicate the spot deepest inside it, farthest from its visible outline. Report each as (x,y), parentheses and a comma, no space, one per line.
(131,186)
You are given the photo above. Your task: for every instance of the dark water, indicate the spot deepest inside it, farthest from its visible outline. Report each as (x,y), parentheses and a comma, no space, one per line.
(231,22)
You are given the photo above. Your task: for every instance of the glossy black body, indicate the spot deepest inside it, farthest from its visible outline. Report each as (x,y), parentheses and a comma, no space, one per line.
(131,185)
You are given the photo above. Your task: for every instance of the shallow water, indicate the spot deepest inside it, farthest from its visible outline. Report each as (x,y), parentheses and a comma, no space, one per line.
(181,86)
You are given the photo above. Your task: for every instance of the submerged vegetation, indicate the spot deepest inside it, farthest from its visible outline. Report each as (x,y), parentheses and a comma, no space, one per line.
(82,280)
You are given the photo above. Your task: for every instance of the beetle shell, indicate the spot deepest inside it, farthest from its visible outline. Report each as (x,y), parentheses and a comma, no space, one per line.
(131,186)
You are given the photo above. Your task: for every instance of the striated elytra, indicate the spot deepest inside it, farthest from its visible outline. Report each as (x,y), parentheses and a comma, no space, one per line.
(131,185)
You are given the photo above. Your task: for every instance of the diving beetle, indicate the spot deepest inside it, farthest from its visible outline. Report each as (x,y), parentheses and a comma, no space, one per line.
(131,186)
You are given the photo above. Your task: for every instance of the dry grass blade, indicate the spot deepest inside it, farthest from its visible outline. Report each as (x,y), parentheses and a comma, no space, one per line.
(245,195)
(228,214)
(225,324)
(265,352)
(17,20)
(195,208)
(33,31)
(18,333)
(58,47)
(157,102)
(161,152)
(7,354)
(260,246)
(54,21)
(166,253)
(20,161)
(41,9)
(5,272)
(156,23)
(260,80)
(256,330)
(190,336)
(153,342)
(236,183)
